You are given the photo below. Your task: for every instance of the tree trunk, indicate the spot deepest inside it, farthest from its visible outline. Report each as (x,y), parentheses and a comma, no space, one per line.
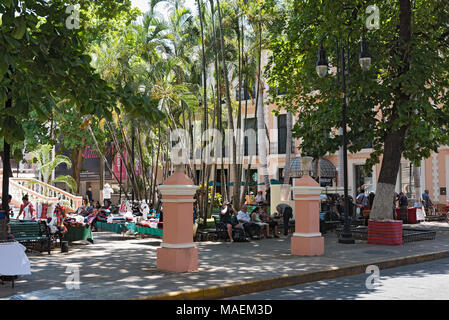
(383,202)
(157,164)
(205,176)
(5,183)
(394,140)
(261,134)
(288,152)
(77,162)
(229,106)
(101,178)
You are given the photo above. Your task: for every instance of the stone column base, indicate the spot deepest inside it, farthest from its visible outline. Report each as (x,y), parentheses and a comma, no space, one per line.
(177,260)
(307,246)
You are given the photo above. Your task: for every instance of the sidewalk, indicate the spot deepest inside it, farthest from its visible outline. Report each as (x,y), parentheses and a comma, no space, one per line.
(117,267)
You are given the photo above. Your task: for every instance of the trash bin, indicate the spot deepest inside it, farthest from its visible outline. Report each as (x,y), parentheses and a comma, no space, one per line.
(64,246)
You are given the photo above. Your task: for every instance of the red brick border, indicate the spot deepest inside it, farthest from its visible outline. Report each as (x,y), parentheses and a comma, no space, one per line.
(387,233)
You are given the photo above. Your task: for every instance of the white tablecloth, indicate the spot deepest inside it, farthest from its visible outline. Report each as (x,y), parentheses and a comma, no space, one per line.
(13,260)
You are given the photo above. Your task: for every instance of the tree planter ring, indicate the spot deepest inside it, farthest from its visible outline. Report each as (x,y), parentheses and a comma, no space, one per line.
(387,233)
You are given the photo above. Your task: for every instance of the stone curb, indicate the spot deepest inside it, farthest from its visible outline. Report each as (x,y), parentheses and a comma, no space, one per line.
(286,280)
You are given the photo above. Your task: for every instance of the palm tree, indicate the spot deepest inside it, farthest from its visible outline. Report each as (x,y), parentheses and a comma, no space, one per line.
(43,158)
(288,149)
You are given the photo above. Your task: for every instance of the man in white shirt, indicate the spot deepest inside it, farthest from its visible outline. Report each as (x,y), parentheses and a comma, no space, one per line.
(245,220)
(107,193)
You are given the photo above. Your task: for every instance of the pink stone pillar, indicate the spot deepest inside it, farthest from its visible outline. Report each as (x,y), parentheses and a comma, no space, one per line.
(307,239)
(178,253)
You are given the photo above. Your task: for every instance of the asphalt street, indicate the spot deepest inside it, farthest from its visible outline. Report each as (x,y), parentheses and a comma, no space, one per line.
(424,281)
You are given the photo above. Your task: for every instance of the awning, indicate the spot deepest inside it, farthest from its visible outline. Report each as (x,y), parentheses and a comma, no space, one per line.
(327,168)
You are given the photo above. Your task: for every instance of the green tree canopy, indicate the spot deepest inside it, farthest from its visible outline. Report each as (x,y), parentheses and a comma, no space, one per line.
(401,105)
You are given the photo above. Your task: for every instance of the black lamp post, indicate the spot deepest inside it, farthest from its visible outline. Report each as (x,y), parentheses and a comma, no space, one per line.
(322,70)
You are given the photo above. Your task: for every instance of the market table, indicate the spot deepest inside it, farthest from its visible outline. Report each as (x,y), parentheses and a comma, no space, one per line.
(79,233)
(113,227)
(144,230)
(13,261)
(413,215)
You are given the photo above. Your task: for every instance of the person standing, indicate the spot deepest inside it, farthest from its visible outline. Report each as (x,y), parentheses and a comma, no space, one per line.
(107,193)
(403,205)
(427,202)
(286,212)
(10,212)
(89,195)
(362,201)
(260,199)
(27,209)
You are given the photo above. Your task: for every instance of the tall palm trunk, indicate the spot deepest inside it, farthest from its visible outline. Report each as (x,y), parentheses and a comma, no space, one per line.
(261,134)
(157,163)
(105,160)
(229,107)
(288,152)
(205,179)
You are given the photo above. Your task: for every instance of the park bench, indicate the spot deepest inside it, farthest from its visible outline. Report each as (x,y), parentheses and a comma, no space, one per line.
(30,233)
(206,234)
(222,231)
(327,224)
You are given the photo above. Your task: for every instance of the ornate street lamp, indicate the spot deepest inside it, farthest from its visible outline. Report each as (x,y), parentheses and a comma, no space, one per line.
(322,69)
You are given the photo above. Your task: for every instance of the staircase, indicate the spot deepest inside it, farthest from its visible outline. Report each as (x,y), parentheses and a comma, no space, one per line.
(40,193)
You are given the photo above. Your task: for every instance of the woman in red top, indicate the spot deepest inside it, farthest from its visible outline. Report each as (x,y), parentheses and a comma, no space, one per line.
(26,208)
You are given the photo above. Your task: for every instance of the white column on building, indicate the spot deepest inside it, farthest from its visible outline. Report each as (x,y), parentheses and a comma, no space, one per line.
(435,177)
(447,176)
(423,175)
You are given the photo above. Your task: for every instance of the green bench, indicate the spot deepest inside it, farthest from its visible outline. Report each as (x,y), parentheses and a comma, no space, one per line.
(31,233)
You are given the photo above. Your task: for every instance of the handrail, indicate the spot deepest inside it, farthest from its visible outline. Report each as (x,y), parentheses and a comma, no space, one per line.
(45,192)
(31,192)
(49,186)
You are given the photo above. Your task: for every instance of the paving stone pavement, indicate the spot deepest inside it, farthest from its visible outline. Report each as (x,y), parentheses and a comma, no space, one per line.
(117,267)
(422,281)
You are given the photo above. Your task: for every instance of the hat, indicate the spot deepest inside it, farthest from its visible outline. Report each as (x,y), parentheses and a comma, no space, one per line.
(107,185)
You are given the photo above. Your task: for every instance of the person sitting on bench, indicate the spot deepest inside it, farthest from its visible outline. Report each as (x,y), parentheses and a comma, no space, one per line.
(245,221)
(265,217)
(264,227)
(226,218)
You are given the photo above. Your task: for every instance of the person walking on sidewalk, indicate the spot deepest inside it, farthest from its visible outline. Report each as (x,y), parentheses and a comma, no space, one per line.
(286,212)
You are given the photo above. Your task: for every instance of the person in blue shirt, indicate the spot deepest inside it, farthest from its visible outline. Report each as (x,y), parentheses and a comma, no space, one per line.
(427,202)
